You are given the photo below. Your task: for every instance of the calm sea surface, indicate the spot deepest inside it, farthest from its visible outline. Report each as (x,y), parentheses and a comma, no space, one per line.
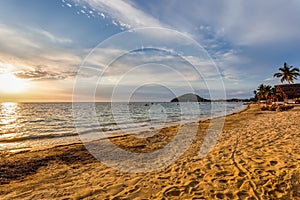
(40,125)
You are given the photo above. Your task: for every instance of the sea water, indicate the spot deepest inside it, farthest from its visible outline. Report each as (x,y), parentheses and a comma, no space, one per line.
(41,125)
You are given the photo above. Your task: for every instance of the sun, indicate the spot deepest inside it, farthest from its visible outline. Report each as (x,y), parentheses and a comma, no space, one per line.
(11,84)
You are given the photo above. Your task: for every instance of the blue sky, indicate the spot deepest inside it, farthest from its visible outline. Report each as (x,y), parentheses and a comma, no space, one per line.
(45,43)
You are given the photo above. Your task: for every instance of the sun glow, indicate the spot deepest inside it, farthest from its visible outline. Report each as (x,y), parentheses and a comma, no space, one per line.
(11,84)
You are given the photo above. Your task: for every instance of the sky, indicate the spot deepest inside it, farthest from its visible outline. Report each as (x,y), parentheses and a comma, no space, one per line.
(84,50)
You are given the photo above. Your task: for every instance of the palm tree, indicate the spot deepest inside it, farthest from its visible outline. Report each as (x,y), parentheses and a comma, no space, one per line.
(263,91)
(288,73)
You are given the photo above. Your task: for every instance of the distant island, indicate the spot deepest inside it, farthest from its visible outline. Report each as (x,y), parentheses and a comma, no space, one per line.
(190,97)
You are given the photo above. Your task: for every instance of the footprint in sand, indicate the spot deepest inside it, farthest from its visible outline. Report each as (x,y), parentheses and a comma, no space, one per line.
(221,173)
(243,194)
(223,181)
(273,162)
(239,182)
(192,184)
(229,195)
(220,196)
(173,191)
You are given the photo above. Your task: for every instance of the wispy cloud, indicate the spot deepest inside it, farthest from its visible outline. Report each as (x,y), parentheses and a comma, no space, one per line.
(31,55)
(22,41)
(12,40)
(124,13)
(194,20)
(42,73)
(247,40)
(251,23)
(51,37)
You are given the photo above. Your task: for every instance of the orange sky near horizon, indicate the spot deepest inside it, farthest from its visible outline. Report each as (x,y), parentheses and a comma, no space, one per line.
(14,89)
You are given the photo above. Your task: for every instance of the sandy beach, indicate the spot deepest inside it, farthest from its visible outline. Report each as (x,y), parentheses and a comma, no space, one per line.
(257,156)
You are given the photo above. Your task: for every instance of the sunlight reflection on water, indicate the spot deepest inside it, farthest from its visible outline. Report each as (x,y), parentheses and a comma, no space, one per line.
(30,125)
(8,113)
(8,118)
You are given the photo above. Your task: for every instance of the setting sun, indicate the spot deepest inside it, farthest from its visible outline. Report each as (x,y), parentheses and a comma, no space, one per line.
(11,84)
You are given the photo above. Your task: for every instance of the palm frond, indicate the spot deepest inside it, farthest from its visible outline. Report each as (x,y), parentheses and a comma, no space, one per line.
(294,70)
(288,73)
(278,75)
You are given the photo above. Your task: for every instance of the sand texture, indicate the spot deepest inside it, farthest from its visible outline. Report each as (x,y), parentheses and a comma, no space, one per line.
(257,156)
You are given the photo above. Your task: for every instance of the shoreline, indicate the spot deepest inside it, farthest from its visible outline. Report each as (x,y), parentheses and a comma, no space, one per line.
(205,120)
(257,156)
(128,132)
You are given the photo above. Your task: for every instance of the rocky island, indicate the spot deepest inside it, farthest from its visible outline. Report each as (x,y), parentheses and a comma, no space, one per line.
(190,97)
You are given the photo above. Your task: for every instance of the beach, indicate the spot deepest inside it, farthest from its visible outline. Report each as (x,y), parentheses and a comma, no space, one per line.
(256,156)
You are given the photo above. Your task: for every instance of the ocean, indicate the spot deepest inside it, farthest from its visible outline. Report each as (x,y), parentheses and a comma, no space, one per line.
(42,125)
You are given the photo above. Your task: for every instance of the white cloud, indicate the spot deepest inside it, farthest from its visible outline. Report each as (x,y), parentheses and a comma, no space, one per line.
(124,12)
(256,22)
(35,51)
(51,37)
(69,5)
(226,29)
(28,41)
(11,39)
(102,15)
(146,66)
(239,22)
(271,81)
(215,25)
(229,63)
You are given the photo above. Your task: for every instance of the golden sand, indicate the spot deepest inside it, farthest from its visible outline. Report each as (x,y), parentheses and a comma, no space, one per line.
(257,156)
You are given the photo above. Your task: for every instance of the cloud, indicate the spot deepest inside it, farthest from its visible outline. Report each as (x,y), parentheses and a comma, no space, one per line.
(229,63)
(123,12)
(24,40)
(15,41)
(253,34)
(33,74)
(42,73)
(148,64)
(49,36)
(37,54)
(235,93)
(246,39)
(255,22)
(185,19)
(226,30)
(238,22)
(30,42)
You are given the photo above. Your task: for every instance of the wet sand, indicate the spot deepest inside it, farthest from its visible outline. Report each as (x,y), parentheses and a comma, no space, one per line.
(257,156)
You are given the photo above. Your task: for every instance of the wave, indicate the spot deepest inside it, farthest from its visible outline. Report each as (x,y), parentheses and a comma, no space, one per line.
(58,123)
(37,137)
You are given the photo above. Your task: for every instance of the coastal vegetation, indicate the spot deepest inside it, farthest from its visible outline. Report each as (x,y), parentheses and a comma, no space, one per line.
(269,94)
(263,92)
(287,73)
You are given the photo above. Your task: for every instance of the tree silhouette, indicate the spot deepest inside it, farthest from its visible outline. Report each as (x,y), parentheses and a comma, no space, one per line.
(264,91)
(288,73)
